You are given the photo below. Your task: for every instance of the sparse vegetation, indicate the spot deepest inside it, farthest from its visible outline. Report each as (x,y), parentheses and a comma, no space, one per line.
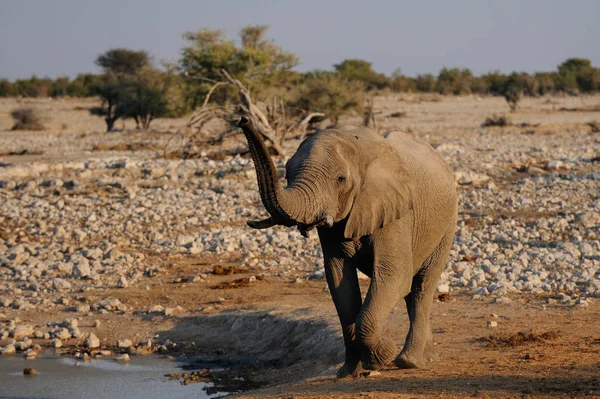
(132,88)
(518,339)
(27,119)
(259,64)
(496,121)
(329,93)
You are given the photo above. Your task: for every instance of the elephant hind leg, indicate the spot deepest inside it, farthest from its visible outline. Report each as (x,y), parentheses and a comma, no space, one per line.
(419,341)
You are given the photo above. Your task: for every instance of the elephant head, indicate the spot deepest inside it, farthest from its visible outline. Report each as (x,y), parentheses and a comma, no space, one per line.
(341,175)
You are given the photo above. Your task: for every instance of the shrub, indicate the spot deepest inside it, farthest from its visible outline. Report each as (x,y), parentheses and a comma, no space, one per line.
(27,119)
(496,121)
(6,88)
(362,71)
(258,64)
(329,93)
(425,83)
(454,81)
(132,88)
(401,83)
(495,82)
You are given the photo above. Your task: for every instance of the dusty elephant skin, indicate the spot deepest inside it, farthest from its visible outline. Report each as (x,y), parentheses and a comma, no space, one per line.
(386,206)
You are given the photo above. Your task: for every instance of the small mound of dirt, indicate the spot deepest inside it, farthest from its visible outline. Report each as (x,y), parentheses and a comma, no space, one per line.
(228,270)
(496,121)
(125,147)
(237,283)
(518,339)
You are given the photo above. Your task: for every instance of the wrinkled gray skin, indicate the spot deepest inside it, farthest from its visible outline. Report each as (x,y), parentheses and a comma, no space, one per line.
(386,206)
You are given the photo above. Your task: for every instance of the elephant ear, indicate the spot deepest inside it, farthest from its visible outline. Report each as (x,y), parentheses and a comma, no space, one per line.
(384,196)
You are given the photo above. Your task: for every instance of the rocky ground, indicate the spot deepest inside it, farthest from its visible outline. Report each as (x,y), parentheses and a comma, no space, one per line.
(98,226)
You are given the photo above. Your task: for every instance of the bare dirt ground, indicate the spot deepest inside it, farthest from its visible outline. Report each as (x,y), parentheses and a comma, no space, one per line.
(280,332)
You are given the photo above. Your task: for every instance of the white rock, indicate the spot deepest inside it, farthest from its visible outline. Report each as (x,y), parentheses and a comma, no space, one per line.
(92,342)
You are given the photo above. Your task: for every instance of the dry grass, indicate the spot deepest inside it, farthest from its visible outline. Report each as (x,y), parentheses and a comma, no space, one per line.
(27,119)
(496,121)
(518,339)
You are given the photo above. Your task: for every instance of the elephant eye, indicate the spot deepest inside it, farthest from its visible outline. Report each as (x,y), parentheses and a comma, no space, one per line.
(341,178)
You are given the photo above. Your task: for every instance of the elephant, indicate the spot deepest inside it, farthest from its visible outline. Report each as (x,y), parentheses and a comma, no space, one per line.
(384,205)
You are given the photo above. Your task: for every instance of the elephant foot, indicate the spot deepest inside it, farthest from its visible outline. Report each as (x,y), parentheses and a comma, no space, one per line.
(380,355)
(350,369)
(430,354)
(407,361)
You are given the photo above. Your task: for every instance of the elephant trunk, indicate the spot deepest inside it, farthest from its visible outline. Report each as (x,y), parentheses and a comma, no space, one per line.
(277,202)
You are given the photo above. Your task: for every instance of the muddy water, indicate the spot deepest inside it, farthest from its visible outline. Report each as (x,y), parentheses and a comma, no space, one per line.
(61,377)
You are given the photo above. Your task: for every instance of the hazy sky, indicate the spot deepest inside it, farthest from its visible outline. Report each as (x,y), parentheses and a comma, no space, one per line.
(63,37)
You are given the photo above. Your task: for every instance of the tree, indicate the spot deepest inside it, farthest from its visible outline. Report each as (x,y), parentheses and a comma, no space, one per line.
(454,81)
(258,64)
(578,75)
(84,85)
(546,82)
(425,83)
(329,93)
(495,82)
(110,90)
(145,96)
(132,88)
(516,85)
(401,83)
(6,88)
(59,87)
(123,61)
(362,71)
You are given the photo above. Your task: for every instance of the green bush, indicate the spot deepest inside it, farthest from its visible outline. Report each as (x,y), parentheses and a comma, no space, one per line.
(6,88)
(258,64)
(425,83)
(454,81)
(328,93)
(362,71)
(136,91)
(27,119)
(495,82)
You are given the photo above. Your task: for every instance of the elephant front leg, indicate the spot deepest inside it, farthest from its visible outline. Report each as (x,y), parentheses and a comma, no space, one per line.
(387,286)
(345,292)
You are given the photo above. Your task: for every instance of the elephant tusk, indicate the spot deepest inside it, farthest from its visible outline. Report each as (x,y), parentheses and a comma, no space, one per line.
(327,221)
(261,224)
(304,229)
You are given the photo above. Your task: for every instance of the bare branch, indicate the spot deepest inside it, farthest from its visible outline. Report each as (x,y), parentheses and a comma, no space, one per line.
(304,123)
(210,92)
(260,120)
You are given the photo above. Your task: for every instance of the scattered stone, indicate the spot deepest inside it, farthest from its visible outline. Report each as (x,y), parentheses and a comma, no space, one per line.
(83,308)
(92,342)
(61,284)
(122,282)
(443,288)
(122,358)
(22,331)
(29,371)
(8,350)
(124,343)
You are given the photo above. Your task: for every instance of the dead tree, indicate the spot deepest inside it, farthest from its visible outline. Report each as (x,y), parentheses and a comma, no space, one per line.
(274,127)
(251,110)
